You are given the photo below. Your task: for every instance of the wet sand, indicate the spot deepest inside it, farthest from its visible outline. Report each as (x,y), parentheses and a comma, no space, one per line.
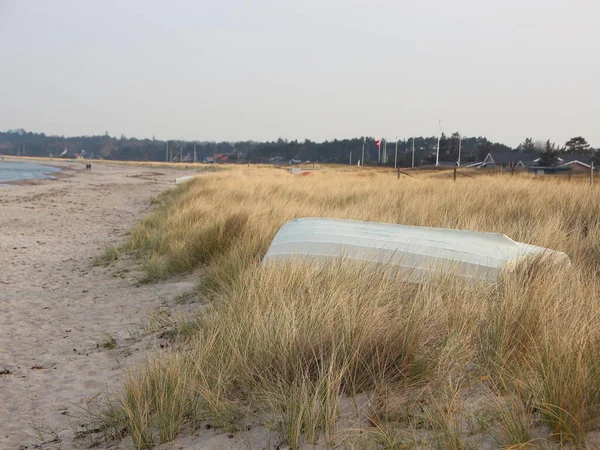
(57,310)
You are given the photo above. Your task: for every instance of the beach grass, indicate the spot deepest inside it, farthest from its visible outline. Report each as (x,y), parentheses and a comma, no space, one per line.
(292,346)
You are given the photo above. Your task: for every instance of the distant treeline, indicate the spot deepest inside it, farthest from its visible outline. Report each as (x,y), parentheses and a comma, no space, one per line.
(472,149)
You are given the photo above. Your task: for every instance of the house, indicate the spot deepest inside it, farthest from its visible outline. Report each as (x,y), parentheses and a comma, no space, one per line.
(549,170)
(278,161)
(217,158)
(505,160)
(574,163)
(579,163)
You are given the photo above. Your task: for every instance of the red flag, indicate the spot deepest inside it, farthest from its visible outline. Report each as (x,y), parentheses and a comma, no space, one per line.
(378,143)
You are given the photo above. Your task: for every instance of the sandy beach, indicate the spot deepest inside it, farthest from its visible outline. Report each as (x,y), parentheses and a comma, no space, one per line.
(58,309)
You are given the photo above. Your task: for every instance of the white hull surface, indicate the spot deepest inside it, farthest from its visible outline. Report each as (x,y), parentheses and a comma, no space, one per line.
(184,179)
(418,252)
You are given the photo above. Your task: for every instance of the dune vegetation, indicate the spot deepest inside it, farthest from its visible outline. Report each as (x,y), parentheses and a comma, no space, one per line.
(347,357)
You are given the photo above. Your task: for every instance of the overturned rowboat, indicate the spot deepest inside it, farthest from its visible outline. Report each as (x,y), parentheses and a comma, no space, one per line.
(418,252)
(185,179)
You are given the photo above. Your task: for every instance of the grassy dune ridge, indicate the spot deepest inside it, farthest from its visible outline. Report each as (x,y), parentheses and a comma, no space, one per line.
(350,357)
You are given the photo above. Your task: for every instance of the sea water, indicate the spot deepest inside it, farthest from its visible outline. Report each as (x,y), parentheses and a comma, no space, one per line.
(17,170)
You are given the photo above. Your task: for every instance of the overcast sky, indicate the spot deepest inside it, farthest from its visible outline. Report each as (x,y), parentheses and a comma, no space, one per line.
(318,69)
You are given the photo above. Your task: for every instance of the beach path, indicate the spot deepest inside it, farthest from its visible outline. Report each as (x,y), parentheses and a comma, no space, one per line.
(58,310)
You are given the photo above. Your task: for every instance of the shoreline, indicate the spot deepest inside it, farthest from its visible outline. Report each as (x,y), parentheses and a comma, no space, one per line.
(58,308)
(31,176)
(37,181)
(114,162)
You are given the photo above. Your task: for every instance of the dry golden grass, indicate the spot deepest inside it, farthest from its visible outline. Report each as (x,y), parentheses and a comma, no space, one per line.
(288,345)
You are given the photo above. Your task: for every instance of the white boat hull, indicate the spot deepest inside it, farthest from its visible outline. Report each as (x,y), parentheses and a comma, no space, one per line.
(419,252)
(184,179)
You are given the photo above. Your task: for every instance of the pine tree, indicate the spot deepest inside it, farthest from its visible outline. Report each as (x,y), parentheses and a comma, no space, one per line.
(549,155)
(577,145)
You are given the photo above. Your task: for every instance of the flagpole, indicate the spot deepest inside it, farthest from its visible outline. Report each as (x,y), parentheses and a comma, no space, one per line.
(413,152)
(437,153)
(459,148)
(362,160)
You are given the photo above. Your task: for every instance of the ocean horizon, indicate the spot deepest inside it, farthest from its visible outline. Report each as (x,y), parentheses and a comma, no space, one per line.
(18,170)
